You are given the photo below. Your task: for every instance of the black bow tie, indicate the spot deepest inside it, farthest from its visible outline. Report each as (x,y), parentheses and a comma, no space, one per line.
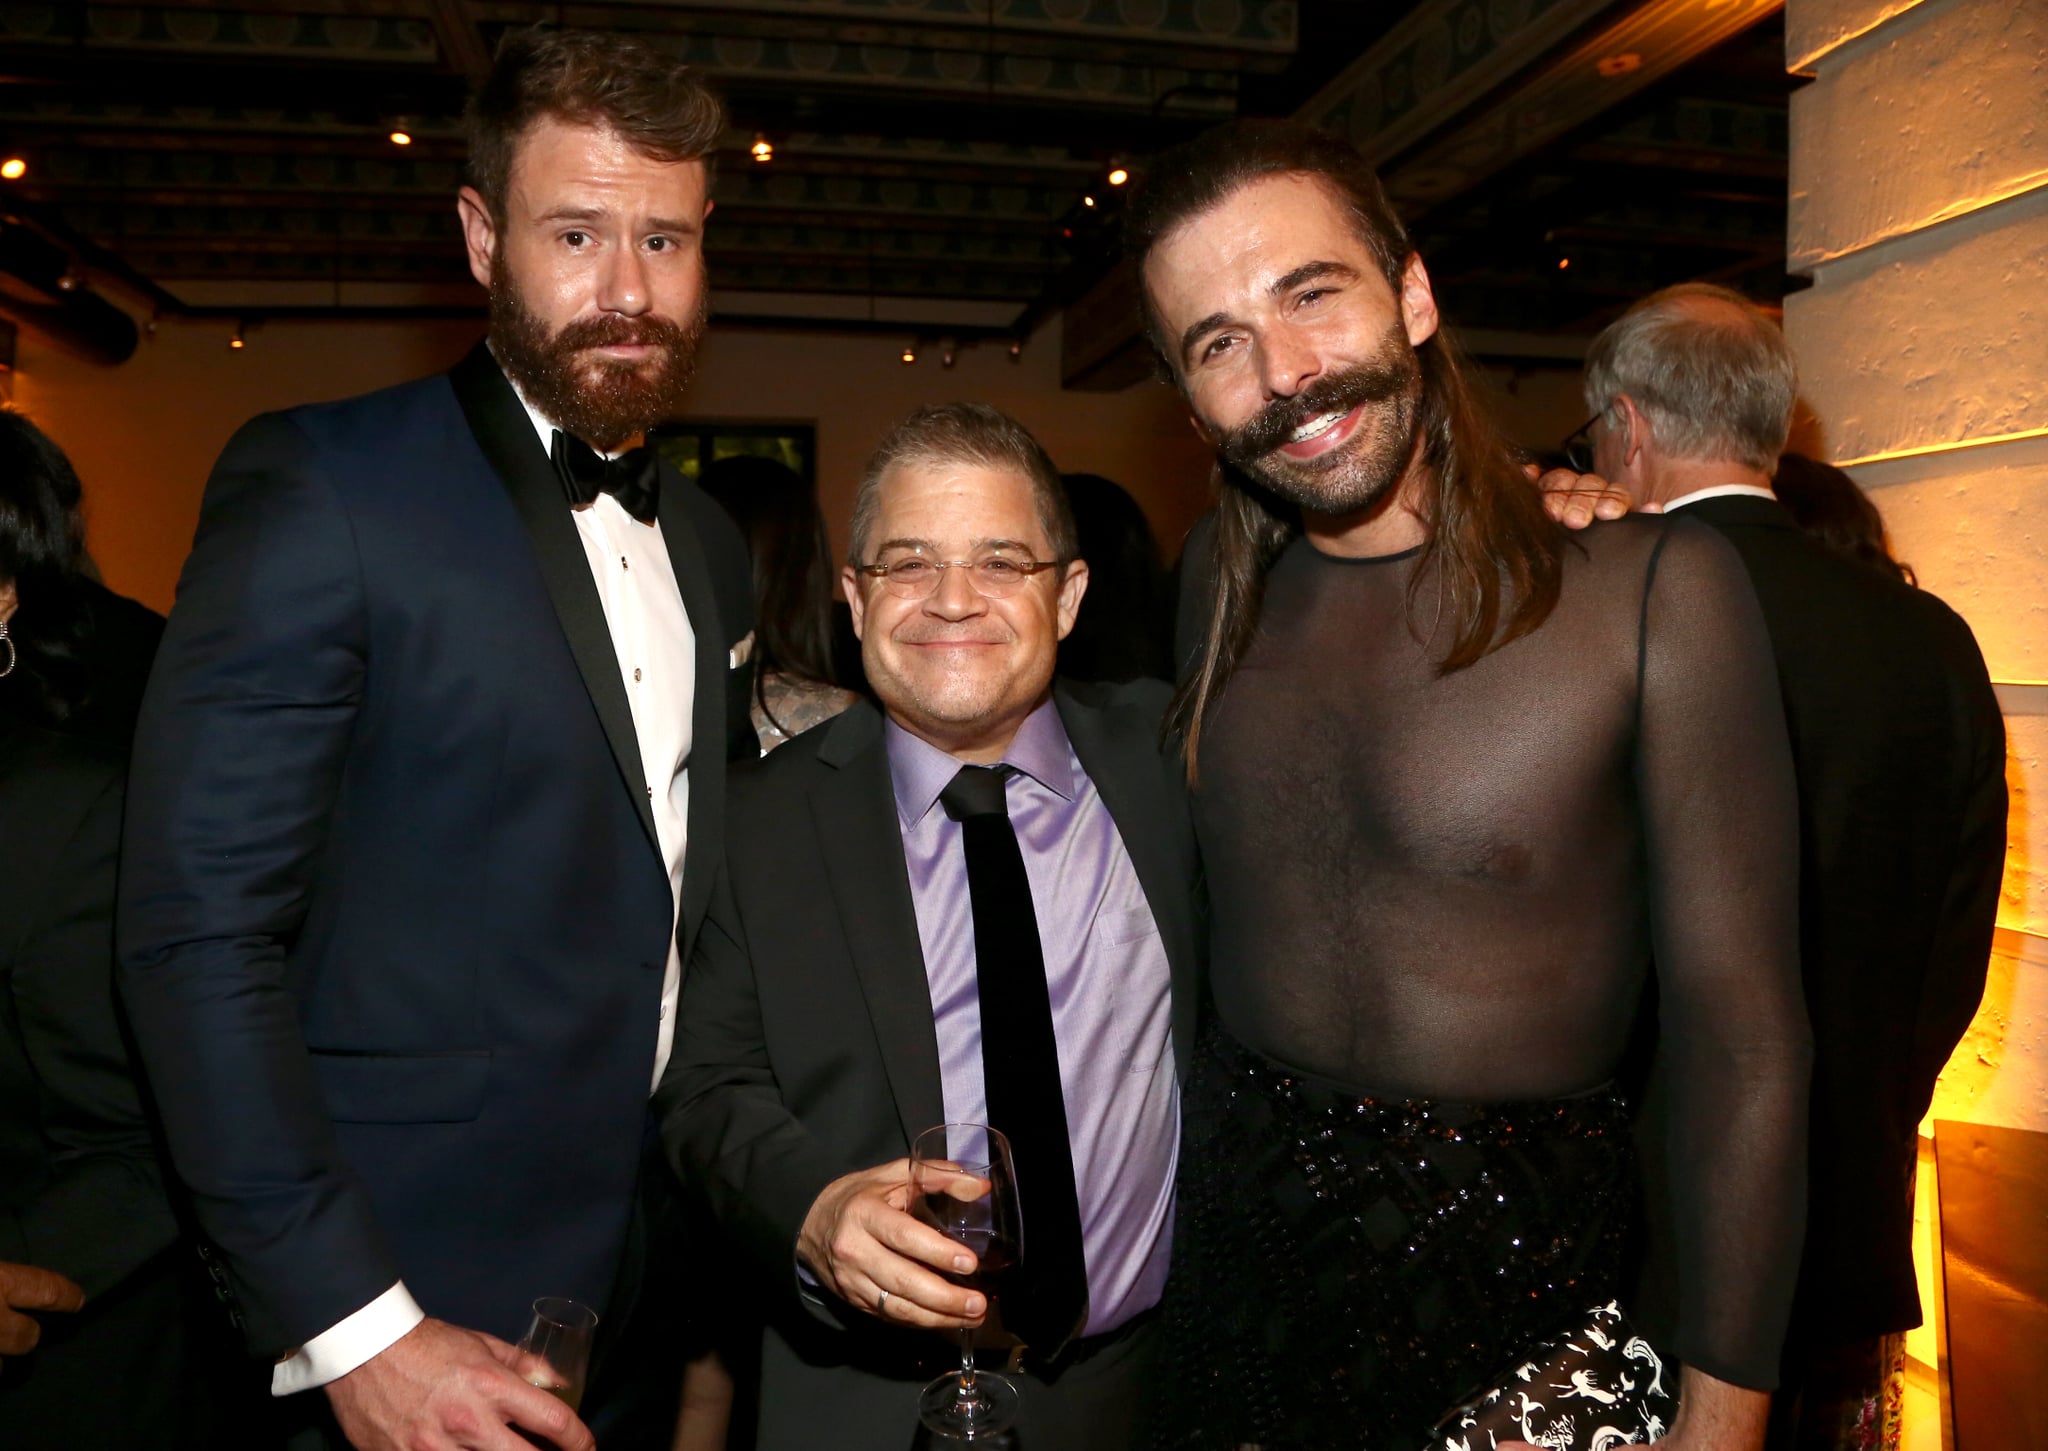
(633,478)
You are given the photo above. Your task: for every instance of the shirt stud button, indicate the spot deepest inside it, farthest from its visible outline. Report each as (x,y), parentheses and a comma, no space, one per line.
(636,673)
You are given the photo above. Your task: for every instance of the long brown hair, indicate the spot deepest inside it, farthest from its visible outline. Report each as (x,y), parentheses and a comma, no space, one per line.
(1498,556)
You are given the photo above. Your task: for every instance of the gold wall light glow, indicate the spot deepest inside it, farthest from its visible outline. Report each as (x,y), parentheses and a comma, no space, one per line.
(763,150)
(401,138)
(1951,447)
(13,168)
(1119,176)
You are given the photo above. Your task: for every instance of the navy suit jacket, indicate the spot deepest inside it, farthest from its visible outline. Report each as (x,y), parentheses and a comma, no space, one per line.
(393,918)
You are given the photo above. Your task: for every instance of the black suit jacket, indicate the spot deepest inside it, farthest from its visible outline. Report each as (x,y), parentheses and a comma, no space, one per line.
(393,916)
(806,1048)
(1900,754)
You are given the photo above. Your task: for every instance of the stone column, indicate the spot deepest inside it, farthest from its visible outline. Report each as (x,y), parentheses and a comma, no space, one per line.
(1919,206)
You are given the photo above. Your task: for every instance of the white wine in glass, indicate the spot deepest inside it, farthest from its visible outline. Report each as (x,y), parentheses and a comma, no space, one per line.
(557,1345)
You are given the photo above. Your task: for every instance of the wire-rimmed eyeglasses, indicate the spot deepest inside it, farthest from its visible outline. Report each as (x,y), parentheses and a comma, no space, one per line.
(995,575)
(1578,444)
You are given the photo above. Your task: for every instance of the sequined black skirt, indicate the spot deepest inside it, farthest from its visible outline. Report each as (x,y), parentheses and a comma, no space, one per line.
(1346,1270)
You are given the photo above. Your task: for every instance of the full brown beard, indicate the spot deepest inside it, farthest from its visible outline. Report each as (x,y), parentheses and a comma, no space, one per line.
(601,402)
(1358,473)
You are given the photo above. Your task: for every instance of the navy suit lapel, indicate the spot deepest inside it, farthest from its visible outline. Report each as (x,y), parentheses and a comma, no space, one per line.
(504,432)
(854,808)
(1122,758)
(707,711)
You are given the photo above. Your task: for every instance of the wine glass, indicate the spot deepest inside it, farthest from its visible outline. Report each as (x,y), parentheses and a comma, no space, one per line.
(557,1347)
(963,1183)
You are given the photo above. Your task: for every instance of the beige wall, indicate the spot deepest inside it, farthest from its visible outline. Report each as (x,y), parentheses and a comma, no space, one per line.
(1919,203)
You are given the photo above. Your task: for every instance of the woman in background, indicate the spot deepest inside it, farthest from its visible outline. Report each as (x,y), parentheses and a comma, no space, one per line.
(74,655)
(778,512)
(1827,504)
(147,1360)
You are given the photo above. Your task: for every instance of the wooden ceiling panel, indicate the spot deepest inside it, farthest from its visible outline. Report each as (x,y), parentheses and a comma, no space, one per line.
(922,148)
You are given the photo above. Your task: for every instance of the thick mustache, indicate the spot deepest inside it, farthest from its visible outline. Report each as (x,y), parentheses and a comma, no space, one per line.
(1275,424)
(612,332)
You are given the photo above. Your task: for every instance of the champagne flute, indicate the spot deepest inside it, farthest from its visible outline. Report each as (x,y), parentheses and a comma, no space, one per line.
(557,1347)
(963,1183)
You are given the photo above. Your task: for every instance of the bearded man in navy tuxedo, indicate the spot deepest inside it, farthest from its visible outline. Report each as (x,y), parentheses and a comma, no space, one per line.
(428,787)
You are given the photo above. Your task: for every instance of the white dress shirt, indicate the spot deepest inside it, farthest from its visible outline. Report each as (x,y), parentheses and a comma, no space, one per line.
(657,654)
(1718,491)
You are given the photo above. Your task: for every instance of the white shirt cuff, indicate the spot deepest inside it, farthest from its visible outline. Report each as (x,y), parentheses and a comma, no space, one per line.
(333,1353)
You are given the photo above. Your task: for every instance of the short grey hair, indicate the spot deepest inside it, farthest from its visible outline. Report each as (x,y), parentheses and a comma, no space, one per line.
(977,436)
(1715,386)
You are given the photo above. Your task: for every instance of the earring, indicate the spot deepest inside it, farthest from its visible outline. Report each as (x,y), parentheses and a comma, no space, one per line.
(13,655)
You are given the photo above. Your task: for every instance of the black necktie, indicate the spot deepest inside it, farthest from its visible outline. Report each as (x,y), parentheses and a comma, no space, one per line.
(633,478)
(1020,1062)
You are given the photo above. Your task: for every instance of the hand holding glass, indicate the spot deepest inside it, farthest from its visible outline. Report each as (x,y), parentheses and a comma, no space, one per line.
(963,1183)
(557,1347)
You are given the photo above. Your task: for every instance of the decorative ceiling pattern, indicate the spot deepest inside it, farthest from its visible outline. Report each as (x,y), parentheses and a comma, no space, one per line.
(1556,157)
(922,148)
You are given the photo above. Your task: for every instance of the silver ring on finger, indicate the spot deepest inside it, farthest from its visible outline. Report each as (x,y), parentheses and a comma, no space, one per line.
(882,1305)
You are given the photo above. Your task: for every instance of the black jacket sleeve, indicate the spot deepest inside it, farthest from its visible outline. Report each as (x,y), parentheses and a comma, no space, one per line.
(723,1119)
(244,732)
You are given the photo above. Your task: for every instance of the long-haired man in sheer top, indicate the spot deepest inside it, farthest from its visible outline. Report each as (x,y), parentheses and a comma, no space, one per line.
(1459,777)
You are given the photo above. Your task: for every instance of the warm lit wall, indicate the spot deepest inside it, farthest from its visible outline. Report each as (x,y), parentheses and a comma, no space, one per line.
(144,435)
(1919,203)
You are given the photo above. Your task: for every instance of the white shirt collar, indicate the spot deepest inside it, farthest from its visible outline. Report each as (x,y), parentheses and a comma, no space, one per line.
(1719,491)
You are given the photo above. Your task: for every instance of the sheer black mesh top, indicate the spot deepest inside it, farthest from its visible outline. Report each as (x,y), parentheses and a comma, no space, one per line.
(1454,886)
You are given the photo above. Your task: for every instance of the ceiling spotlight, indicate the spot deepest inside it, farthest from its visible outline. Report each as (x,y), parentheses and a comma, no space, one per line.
(235,343)
(68,282)
(400,137)
(1563,262)
(1118,176)
(910,352)
(948,354)
(1016,349)
(1087,201)
(14,168)
(763,150)
(1619,65)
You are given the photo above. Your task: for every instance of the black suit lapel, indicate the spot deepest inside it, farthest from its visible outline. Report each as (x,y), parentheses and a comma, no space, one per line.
(504,432)
(707,710)
(854,808)
(1122,758)
(1751,511)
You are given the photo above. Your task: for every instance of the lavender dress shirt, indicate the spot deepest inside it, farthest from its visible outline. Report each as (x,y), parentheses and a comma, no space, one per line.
(1106,973)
